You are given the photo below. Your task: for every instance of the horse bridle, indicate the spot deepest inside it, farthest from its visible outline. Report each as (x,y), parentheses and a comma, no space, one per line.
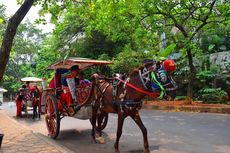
(146,79)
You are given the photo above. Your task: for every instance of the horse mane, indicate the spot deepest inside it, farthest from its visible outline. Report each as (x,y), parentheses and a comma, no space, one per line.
(136,70)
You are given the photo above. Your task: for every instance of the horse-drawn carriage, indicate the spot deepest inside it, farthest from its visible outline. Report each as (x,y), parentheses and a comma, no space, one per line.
(31,96)
(56,109)
(121,94)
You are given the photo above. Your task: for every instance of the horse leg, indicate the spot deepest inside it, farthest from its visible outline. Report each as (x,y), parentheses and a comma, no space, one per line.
(26,110)
(136,117)
(99,121)
(119,131)
(39,111)
(34,111)
(93,122)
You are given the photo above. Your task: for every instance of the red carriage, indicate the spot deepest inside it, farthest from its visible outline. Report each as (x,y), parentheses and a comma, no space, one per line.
(53,104)
(31,96)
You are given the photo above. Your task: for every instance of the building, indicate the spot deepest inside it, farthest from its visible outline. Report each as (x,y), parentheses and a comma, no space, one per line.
(1,95)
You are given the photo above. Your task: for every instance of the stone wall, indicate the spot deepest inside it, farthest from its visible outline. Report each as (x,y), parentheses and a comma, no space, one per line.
(221,58)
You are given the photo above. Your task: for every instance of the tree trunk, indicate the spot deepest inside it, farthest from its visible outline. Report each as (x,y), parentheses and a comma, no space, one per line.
(10,32)
(191,78)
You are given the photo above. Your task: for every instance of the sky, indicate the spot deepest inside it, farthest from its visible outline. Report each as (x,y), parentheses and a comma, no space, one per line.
(32,15)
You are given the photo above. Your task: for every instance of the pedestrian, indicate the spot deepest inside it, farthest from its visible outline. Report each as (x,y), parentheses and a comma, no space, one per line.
(19,98)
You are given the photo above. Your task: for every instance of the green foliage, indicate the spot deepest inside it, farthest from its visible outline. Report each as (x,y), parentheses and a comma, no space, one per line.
(212,95)
(1,20)
(167,51)
(180,97)
(26,44)
(206,77)
(125,61)
(46,56)
(127,32)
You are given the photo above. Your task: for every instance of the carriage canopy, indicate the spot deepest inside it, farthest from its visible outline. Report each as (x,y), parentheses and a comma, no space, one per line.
(83,63)
(31,79)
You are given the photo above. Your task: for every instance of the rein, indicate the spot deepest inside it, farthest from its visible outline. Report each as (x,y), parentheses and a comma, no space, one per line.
(154,95)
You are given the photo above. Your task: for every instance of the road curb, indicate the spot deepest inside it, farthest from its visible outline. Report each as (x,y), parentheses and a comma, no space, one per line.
(200,109)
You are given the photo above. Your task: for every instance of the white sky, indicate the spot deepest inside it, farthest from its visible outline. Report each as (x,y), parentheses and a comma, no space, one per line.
(12,7)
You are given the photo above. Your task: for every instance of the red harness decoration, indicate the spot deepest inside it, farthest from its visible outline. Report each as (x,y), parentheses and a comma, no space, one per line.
(151,94)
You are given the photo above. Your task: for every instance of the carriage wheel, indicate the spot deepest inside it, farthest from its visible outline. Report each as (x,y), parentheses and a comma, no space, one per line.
(52,117)
(101,121)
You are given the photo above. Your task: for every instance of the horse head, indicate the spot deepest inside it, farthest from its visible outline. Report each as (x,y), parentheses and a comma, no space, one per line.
(34,93)
(157,77)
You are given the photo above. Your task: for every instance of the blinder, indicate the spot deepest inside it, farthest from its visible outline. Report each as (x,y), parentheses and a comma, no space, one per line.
(156,78)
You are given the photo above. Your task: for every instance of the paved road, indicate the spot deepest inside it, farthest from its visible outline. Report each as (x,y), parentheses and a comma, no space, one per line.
(168,132)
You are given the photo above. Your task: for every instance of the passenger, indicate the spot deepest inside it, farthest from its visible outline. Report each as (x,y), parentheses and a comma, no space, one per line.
(68,95)
(82,81)
(56,80)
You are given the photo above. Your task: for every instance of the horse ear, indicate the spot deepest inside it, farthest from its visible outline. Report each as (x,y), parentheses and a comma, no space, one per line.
(147,61)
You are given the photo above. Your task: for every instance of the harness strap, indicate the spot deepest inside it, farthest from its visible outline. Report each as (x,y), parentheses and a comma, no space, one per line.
(159,84)
(142,79)
(122,95)
(154,95)
(103,91)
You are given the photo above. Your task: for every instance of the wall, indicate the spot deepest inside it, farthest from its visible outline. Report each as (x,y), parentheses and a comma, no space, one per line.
(221,58)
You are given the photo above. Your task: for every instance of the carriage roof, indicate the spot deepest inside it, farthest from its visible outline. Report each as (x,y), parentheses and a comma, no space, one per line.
(31,79)
(83,63)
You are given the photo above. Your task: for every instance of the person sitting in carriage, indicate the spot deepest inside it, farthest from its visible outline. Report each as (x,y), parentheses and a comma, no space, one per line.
(68,95)
(82,81)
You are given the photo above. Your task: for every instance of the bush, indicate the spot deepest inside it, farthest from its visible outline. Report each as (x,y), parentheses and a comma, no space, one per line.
(214,95)
(181,98)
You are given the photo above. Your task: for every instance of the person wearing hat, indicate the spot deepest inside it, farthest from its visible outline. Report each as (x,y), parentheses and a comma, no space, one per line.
(68,85)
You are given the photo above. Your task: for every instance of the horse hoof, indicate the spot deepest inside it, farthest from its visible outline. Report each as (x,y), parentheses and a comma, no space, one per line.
(146,151)
(94,139)
(100,140)
(116,151)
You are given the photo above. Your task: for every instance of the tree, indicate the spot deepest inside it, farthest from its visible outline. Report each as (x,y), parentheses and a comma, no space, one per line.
(27,44)
(190,18)
(10,32)
(141,23)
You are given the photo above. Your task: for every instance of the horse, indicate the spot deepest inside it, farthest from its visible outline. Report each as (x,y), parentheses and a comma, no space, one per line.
(123,95)
(35,99)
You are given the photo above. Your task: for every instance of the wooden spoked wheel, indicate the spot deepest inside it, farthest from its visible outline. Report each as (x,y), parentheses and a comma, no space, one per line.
(52,116)
(43,102)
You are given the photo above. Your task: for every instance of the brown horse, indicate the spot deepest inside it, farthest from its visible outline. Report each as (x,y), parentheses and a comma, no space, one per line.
(123,95)
(35,99)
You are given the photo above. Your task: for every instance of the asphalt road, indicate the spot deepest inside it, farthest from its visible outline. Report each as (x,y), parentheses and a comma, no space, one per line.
(168,132)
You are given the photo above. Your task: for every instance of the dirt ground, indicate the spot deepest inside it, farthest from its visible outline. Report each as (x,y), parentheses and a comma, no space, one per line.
(184,103)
